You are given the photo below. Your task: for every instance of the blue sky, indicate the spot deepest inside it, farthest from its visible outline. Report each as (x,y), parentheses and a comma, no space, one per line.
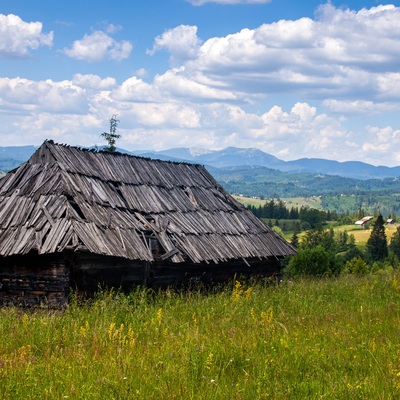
(294,79)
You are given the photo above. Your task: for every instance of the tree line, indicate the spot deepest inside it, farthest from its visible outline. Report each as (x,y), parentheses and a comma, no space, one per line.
(276,210)
(323,251)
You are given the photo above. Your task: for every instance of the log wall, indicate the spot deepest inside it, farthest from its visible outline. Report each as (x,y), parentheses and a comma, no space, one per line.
(91,272)
(33,281)
(36,280)
(163,275)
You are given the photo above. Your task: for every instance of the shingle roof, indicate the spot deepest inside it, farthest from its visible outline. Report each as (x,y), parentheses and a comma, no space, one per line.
(110,203)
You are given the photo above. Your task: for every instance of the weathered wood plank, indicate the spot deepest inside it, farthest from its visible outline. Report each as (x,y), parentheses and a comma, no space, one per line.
(109,200)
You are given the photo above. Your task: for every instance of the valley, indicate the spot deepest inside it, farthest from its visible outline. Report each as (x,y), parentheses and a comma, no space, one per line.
(253,174)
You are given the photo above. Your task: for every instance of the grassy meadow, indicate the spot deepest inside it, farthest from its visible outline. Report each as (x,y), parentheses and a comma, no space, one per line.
(295,202)
(306,339)
(361,235)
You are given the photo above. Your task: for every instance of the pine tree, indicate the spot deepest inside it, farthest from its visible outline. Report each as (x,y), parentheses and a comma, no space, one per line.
(377,248)
(111,136)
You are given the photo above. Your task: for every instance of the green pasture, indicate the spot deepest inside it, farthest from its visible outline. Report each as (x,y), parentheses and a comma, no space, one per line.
(249,201)
(298,202)
(295,202)
(310,339)
(362,235)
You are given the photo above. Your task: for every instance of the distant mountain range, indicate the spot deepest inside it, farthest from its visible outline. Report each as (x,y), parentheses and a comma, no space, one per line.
(232,157)
(236,157)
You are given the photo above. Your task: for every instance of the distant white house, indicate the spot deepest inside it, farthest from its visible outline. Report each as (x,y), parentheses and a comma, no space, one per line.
(363,221)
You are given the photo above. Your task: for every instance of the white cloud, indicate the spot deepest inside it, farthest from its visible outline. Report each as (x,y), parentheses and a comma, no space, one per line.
(165,116)
(180,86)
(18,37)
(355,107)
(334,55)
(380,143)
(136,90)
(47,96)
(99,46)
(182,42)
(94,82)
(389,85)
(227,2)
(141,73)
(111,28)
(302,127)
(213,94)
(151,117)
(64,128)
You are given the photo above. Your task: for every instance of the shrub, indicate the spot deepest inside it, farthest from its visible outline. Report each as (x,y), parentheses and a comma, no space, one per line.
(277,230)
(356,266)
(311,262)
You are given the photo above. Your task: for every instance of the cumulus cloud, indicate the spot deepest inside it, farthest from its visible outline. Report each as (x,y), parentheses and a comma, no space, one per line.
(334,55)
(307,131)
(99,46)
(136,90)
(359,107)
(63,128)
(182,42)
(141,72)
(214,94)
(149,114)
(90,81)
(29,96)
(166,116)
(18,37)
(180,86)
(379,143)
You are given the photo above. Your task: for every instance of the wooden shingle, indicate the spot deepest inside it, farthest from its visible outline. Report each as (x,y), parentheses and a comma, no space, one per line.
(111,203)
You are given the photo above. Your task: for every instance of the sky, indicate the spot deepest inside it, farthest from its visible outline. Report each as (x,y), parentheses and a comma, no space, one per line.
(316,79)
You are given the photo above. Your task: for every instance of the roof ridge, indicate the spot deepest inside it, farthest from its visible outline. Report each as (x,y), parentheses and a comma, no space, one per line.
(114,153)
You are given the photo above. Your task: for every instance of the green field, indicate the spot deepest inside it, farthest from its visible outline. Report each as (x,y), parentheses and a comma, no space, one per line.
(311,339)
(362,235)
(249,201)
(296,202)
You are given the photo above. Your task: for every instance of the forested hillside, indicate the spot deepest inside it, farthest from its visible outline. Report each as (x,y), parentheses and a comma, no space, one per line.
(260,181)
(338,193)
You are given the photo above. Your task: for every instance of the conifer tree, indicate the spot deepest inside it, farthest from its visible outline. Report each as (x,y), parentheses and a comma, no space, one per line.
(377,248)
(111,136)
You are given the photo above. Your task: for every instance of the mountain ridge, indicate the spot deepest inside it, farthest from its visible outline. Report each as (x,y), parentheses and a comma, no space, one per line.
(235,157)
(12,156)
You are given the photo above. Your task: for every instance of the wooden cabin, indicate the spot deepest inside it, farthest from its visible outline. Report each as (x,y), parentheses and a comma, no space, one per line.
(71,217)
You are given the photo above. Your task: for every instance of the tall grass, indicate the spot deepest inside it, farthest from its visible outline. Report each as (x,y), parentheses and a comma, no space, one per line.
(330,339)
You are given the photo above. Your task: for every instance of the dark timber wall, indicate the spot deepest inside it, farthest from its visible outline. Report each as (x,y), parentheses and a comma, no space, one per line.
(163,275)
(89,272)
(33,281)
